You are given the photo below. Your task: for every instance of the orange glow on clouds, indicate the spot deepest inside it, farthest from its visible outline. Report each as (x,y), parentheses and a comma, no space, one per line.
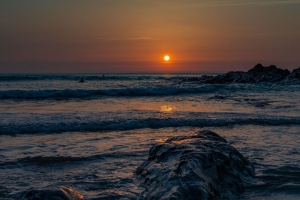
(206,36)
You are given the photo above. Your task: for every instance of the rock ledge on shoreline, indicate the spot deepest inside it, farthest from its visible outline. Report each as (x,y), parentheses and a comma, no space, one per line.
(199,166)
(61,193)
(257,74)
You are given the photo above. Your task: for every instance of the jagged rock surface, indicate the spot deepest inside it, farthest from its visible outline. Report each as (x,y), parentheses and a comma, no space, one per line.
(268,74)
(294,76)
(62,193)
(199,166)
(231,77)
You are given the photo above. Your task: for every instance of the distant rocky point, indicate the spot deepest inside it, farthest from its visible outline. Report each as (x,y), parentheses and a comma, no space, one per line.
(257,74)
(202,165)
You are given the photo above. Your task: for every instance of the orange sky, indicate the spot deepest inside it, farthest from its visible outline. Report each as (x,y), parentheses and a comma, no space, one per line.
(134,35)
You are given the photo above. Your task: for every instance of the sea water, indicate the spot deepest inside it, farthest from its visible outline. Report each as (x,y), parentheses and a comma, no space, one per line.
(92,136)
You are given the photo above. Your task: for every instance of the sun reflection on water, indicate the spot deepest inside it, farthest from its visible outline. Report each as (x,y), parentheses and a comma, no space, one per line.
(161,140)
(167,108)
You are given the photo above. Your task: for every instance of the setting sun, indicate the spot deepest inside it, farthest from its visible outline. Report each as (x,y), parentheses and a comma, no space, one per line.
(166,58)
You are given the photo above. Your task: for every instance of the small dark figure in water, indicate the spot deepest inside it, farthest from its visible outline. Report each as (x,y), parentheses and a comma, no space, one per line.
(81,80)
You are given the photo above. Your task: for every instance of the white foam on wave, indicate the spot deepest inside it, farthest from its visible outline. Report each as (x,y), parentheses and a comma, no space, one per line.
(110,121)
(82,93)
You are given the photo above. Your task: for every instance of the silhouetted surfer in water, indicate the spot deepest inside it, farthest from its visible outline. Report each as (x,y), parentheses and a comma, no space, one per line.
(81,80)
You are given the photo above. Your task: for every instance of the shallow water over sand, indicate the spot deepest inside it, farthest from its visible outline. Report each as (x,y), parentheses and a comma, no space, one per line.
(93,136)
(102,164)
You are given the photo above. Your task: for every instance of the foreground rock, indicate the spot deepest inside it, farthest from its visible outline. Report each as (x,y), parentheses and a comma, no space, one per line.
(62,193)
(255,75)
(198,166)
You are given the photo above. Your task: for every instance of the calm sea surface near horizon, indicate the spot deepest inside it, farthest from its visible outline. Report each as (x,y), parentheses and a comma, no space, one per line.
(55,131)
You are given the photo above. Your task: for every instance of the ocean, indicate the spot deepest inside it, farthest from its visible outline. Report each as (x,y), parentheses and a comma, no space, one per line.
(92,136)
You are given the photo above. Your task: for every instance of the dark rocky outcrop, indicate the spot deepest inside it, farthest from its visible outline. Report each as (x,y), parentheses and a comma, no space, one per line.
(62,193)
(231,77)
(199,166)
(257,74)
(294,76)
(268,74)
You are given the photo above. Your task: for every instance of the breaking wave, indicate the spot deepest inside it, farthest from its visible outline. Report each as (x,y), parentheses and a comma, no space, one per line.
(88,77)
(162,90)
(59,123)
(81,93)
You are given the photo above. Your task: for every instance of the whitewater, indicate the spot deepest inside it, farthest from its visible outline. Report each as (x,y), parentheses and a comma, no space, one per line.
(93,136)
